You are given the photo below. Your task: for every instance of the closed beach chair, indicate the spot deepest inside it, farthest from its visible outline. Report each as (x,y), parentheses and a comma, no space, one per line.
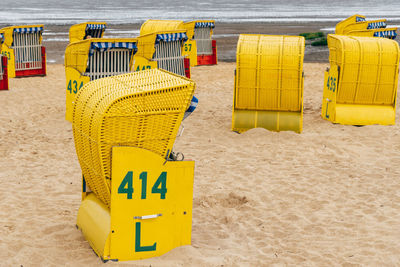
(3,66)
(124,129)
(268,90)
(360,86)
(162,50)
(82,31)
(93,59)
(24,50)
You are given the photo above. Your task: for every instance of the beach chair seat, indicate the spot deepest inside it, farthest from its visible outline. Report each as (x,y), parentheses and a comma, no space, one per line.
(25,51)
(82,31)
(95,58)
(124,128)
(360,86)
(268,91)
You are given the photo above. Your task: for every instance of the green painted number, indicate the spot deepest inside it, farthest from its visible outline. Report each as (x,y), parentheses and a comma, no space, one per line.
(143,68)
(160,187)
(126,186)
(69,88)
(188,49)
(143,177)
(76,87)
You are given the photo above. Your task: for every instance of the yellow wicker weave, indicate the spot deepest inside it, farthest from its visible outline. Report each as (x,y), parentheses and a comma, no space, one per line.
(141,109)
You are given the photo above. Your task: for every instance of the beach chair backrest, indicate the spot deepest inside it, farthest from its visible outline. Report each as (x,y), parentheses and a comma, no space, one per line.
(168,52)
(202,35)
(140,109)
(27,45)
(368,69)
(109,58)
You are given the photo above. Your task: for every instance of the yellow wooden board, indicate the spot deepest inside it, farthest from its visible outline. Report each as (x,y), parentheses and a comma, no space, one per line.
(151,204)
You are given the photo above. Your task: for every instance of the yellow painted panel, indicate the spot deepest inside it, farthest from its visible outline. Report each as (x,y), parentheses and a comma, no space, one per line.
(359,26)
(365,114)
(141,109)
(9,53)
(141,63)
(144,184)
(74,82)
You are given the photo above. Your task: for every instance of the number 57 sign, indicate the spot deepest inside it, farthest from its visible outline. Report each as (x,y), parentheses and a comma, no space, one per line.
(151,204)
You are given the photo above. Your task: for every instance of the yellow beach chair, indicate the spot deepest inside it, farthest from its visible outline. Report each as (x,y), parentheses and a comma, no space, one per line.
(136,203)
(269,78)
(3,67)
(361,85)
(92,59)
(358,23)
(162,50)
(24,50)
(82,31)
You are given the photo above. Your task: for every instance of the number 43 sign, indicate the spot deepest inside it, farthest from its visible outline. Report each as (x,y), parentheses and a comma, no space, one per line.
(151,204)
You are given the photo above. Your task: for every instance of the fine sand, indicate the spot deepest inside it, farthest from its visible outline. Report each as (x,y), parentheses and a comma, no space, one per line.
(328,196)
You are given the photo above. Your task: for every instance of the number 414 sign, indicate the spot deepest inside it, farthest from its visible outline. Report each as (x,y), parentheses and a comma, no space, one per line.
(151,203)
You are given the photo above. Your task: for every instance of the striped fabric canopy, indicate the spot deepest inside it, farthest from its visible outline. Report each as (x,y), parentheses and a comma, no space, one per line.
(28,30)
(1,38)
(359,19)
(103,46)
(386,34)
(192,107)
(170,37)
(204,25)
(376,25)
(95,26)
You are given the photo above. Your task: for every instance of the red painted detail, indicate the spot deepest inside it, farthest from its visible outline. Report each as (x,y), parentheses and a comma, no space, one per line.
(35,72)
(4,81)
(186,63)
(209,59)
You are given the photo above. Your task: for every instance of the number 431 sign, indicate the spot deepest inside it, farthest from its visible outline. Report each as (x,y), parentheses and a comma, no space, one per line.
(151,203)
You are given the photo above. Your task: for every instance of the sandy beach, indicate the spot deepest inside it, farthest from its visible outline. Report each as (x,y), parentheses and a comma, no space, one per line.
(328,196)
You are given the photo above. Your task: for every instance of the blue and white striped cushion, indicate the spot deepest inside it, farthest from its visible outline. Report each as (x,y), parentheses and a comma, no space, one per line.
(103,46)
(192,107)
(386,34)
(204,25)
(376,25)
(359,19)
(28,30)
(95,26)
(170,37)
(1,38)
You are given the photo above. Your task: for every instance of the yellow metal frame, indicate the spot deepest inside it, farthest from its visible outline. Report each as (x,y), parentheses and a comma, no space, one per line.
(268,91)
(360,87)
(76,60)
(77,32)
(143,59)
(6,47)
(344,23)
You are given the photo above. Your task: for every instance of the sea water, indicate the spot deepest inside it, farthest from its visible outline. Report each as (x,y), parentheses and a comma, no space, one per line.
(61,12)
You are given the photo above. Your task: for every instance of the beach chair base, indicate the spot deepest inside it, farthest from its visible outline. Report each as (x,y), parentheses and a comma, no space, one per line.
(34,72)
(209,59)
(243,120)
(351,114)
(4,80)
(151,207)
(358,114)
